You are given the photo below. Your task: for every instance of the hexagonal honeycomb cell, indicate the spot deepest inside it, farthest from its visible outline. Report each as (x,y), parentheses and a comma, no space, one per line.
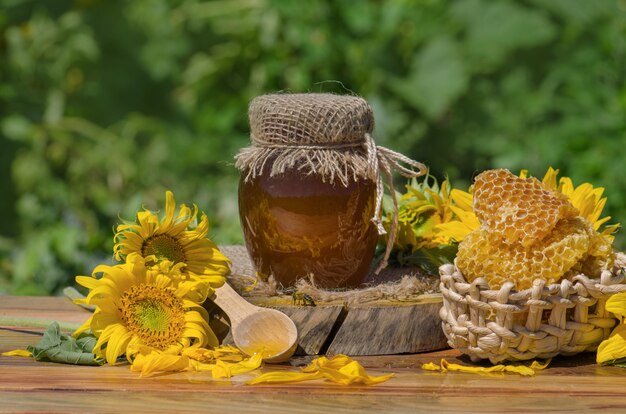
(548,259)
(517,210)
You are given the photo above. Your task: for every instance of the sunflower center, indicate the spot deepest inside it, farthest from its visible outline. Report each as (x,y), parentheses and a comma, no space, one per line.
(163,246)
(156,315)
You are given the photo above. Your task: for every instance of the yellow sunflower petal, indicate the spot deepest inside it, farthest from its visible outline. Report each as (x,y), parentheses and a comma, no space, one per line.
(352,373)
(148,223)
(100,320)
(159,362)
(520,369)
(224,352)
(202,229)
(224,369)
(170,207)
(549,180)
(117,344)
(284,378)
(616,304)
(538,366)
(566,186)
(614,347)
(339,369)
(461,199)
(87,281)
(184,219)
(85,326)
(195,291)
(116,340)
(431,366)
(18,353)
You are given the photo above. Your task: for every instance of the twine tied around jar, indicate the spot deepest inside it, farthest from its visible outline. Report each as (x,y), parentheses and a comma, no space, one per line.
(327,135)
(385,160)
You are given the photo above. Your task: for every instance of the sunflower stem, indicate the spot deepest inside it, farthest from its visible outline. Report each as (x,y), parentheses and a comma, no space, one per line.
(6,321)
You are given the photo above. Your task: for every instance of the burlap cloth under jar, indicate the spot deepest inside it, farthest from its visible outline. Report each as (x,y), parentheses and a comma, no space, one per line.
(327,135)
(399,284)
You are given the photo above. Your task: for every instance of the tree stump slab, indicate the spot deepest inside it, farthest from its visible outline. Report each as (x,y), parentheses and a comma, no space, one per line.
(389,330)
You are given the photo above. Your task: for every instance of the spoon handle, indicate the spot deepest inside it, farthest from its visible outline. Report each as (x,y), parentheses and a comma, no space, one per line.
(236,307)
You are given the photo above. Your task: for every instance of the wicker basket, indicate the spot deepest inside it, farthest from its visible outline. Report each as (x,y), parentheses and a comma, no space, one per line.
(540,322)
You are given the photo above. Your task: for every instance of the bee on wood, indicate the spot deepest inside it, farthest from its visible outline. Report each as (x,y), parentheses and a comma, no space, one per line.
(302,299)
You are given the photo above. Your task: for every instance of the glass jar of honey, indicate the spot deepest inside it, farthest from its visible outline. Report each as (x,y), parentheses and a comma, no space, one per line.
(296,225)
(310,189)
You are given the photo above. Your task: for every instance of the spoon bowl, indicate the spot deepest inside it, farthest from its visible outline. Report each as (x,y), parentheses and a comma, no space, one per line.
(258,330)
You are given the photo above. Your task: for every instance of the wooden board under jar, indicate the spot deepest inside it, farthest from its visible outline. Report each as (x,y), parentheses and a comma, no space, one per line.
(383,327)
(377,328)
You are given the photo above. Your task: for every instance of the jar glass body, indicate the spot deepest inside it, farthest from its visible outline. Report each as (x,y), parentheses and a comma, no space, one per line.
(297,225)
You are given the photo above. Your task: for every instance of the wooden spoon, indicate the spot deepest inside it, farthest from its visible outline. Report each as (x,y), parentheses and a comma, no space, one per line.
(257,329)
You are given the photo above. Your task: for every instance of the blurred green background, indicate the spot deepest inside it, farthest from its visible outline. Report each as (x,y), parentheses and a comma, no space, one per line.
(106,104)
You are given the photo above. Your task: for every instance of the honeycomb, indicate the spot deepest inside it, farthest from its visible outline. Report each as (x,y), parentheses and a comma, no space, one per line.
(517,210)
(549,259)
(599,257)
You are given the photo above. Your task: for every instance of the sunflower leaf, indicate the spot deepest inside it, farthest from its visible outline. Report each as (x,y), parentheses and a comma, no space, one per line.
(64,349)
(618,363)
(429,260)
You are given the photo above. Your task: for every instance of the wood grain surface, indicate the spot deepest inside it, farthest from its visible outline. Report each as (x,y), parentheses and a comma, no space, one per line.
(316,326)
(390,330)
(383,327)
(573,384)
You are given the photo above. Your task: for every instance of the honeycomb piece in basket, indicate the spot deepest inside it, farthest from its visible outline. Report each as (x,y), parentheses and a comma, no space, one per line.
(517,210)
(599,257)
(549,259)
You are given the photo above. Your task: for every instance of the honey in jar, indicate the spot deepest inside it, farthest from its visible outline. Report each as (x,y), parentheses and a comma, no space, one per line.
(296,225)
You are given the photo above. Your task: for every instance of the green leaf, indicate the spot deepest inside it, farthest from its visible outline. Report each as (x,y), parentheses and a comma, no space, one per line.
(439,77)
(618,363)
(64,349)
(429,260)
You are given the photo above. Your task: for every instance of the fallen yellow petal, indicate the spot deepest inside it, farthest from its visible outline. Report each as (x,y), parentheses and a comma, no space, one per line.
(353,373)
(221,369)
(339,369)
(18,353)
(538,366)
(224,353)
(226,369)
(431,366)
(284,377)
(520,369)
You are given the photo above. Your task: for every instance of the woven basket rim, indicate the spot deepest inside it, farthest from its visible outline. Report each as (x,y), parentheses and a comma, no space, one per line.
(603,283)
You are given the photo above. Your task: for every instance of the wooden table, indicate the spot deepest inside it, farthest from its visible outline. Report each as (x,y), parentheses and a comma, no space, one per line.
(569,384)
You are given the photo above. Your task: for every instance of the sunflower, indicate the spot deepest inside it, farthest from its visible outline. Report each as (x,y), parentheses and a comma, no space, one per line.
(430,215)
(139,305)
(173,238)
(431,219)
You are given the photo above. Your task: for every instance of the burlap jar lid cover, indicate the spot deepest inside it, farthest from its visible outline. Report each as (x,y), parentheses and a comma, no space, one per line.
(324,134)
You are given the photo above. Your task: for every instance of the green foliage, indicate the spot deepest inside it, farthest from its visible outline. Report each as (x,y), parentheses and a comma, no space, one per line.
(65,349)
(106,104)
